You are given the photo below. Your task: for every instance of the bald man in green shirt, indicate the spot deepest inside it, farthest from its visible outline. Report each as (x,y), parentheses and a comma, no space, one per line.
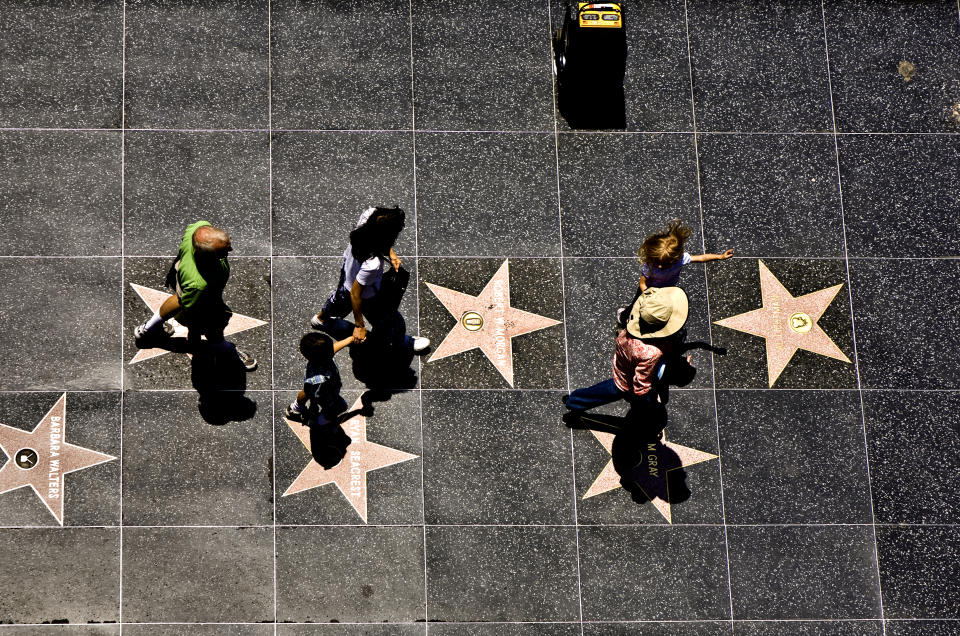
(201,274)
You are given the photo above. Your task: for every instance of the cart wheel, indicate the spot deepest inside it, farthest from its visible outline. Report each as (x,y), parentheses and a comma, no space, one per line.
(555,42)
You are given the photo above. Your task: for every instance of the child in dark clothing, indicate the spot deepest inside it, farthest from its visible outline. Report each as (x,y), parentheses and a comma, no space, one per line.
(319,402)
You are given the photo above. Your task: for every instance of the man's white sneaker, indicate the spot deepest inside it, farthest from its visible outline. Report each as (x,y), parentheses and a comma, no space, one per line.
(420,344)
(315,322)
(141,336)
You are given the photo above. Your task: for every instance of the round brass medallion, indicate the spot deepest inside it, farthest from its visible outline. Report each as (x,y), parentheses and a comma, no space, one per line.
(471,321)
(801,322)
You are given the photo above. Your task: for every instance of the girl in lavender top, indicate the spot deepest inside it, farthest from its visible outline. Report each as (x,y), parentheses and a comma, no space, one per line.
(662,256)
(661,259)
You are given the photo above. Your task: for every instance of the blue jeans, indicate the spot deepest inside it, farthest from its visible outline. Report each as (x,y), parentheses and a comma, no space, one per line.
(607,392)
(597,395)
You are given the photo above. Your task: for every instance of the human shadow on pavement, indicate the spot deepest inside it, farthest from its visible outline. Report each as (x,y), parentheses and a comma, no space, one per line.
(384,368)
(648,468)
(221,383)
(328,443)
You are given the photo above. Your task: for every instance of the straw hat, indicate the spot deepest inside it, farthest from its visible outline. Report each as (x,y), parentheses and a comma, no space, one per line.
(658,313)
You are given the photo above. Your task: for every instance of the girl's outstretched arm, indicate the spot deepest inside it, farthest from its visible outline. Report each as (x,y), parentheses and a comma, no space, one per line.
(703,258)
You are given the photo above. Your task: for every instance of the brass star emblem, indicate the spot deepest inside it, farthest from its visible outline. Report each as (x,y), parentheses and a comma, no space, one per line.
(487,322)
(42,458)
(350,475)
(659,459)
(787,323)
(153,298)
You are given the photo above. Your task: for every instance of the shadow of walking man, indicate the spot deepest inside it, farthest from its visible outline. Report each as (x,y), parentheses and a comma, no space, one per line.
(648,468)
(221,383)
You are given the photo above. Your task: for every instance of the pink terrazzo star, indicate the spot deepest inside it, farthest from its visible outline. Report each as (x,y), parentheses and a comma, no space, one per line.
(350,475)
(654,468)
(487,322)
(42,458)
(787,323)
(153,298)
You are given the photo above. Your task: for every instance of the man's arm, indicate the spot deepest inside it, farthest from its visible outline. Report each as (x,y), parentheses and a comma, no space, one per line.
(643,372)
(356,295)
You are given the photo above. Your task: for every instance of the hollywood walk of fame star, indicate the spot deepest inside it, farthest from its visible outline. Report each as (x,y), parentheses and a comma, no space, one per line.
(42,458)
(487,322)
(787,323)
(153,298)
(658,459)
(350,475)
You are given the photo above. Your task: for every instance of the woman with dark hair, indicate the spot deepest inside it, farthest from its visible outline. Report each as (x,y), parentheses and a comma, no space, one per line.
(371,247)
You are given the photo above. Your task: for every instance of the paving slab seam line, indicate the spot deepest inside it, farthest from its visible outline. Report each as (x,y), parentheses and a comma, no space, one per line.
(563,305)
(853,325)
(416,251)
(273,374)
(705,621)
(488,390)
(713,371)
(947,257)
(123,214)
(648,526)
(481,132)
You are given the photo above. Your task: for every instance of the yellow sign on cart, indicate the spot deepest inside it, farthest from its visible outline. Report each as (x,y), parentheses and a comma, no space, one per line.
(606,15)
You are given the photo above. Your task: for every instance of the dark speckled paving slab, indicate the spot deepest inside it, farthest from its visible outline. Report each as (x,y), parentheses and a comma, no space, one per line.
(65,64)
(758,67)
(223,176)
(487,195)
(614,188)
(481,66)
(770,195)
(64,184)
(657,83)
(197,65)
(811,494)
(313,87)
(895,67)
(793,457)
(908,181)
(808,572)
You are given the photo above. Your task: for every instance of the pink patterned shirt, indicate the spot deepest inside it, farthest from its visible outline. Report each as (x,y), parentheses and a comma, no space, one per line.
(634,363)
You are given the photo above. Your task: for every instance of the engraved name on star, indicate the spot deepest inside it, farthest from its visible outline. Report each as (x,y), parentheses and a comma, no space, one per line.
(42,457)
(487,322)
(153,298)
(350,475)
(659,458)
(787,323)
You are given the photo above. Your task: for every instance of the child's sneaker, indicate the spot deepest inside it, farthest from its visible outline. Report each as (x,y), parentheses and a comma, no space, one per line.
(142,337)
(293,415)
(316,322)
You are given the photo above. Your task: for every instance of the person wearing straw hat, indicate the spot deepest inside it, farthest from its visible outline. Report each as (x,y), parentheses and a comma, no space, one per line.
(659,312)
